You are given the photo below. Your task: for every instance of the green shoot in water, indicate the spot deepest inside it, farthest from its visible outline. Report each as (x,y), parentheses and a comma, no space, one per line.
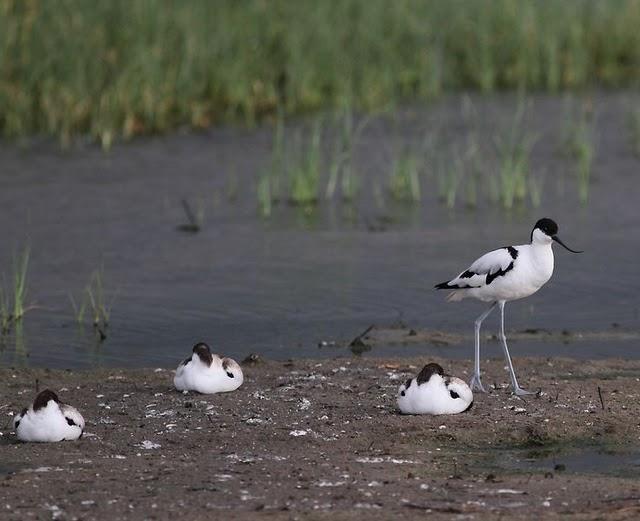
(304,173)
(13,307)
(404,183)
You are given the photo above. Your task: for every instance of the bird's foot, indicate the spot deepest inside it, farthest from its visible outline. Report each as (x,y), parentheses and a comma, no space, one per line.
(519,391)
(476,384)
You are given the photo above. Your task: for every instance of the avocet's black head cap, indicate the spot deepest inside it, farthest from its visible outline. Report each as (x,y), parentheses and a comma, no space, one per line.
(550,228)
(547,226)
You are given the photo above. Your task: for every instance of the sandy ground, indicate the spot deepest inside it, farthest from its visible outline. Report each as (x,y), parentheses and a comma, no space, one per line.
(323,440)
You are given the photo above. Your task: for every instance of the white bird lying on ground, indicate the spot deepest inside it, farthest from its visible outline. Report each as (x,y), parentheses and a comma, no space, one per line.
(48,419)
(433,392)
(207,373)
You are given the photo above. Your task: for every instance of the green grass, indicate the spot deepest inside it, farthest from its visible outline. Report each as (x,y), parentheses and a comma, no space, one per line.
(269,182)
(579,136)
(404,180)
(12,305)
(94,302)
(342,167)
(303,172)
(513,148)
(115,69)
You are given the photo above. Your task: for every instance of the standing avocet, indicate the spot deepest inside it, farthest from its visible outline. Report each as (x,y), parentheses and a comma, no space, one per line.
(506,274)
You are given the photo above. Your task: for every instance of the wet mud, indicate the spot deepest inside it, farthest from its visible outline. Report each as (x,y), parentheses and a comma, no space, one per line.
(322,439)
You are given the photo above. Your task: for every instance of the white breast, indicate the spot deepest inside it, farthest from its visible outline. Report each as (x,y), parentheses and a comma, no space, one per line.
(197,376)
(48,424)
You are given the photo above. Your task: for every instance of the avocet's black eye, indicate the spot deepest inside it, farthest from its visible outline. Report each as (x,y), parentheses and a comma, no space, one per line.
(454,394)
(230,375)
(402,393)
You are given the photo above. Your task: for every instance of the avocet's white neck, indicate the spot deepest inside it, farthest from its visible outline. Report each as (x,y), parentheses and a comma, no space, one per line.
(539,238)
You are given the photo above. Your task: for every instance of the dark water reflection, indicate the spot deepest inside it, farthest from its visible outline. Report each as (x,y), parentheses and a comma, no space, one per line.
(280,286)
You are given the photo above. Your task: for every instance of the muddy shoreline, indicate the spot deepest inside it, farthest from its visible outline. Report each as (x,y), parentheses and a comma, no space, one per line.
(316,439)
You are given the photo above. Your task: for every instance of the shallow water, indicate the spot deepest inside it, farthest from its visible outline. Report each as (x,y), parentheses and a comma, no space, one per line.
(282,285)
(587,460)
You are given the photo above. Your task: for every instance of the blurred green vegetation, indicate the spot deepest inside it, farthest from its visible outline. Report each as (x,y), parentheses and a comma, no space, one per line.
(117,68)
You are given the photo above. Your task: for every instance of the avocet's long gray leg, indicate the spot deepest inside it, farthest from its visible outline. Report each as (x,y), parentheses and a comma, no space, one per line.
(475,383)
(518,391)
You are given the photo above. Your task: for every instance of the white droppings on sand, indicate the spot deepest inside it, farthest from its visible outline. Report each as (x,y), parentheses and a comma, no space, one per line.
(87,502)
(388,459)
(255,421)
(56,511)
(507,491)
(304,404)
(298,433)
(223,477)
(45,469)
(154,413)
(367,506)
(327,483)
(148,445)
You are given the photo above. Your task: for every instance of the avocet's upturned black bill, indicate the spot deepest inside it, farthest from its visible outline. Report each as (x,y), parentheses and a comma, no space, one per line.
(506,274)
(550,228)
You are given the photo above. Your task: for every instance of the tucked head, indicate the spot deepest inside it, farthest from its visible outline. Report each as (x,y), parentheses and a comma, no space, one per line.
(44,398)
(428,371)
(545,231)
(204,353)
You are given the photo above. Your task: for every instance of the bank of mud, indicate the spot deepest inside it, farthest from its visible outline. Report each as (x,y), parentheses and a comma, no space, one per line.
(323,439)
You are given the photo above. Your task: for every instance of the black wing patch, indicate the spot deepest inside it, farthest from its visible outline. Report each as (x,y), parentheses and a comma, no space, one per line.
(454,395)
(489,278)
(70,421)
(493,276)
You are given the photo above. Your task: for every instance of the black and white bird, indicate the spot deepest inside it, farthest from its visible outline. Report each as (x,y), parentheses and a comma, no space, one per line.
(433,392)
(207,373)
(506,274)
(48,419)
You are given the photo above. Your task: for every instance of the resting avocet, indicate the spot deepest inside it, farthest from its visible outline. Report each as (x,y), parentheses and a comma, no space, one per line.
(433,392)
(506,274)
(48,419)
(207,373)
